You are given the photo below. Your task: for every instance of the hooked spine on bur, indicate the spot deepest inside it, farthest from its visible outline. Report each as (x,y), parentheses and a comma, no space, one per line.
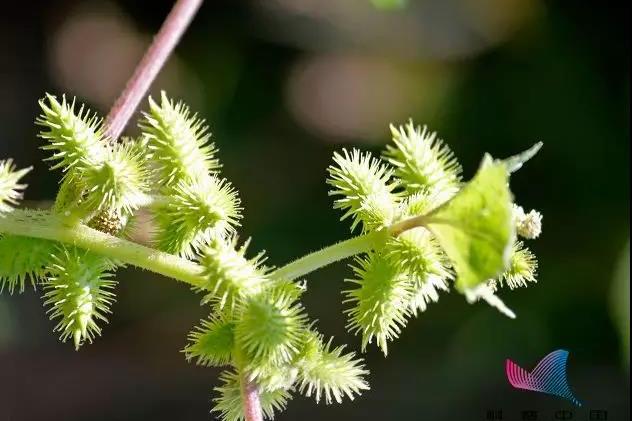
(422,231)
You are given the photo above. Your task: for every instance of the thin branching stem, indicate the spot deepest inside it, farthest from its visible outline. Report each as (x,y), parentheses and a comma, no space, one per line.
(252,404)
(328,255)
(344,249)
(53,227)
(154,59)
(407,224)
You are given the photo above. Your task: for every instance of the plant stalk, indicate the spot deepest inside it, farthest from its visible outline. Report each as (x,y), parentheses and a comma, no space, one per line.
(154,59)
(407,224)
(329,255)
(347,248)
(52,227)
(252,404)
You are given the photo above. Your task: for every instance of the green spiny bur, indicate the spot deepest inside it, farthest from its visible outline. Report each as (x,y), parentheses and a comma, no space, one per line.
(74,136)
(521,269)
(178,141)
(381,300)
(79,293)
(326,371)
(212,343)
(364,190)
(422,161)
(120,183)
(22,259)
(417,254)
(10,188)
(270,328)
(194,214)
(228,276)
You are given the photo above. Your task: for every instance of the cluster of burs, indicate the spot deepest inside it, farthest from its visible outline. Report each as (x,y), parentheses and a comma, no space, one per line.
(428,230)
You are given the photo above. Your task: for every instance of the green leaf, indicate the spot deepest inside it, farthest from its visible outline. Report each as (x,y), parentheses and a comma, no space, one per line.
(475,228)
(515,162)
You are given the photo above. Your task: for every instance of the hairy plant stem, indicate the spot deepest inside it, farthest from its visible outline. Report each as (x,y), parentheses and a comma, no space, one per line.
(344,249)
(323,257)
(53,227)
(154,59)
(57,228)
(409,223)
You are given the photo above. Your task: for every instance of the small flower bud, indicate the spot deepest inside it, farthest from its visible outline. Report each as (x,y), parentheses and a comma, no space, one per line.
(528,225)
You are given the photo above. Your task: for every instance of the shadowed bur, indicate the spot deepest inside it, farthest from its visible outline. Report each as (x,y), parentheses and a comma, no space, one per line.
(79,293)
(23,259)
(212,343)
(380,301)
(418,255)
(270,376)
(420,203)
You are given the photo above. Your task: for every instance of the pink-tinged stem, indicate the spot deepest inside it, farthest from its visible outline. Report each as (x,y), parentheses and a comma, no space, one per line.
(154,59)
(252,405)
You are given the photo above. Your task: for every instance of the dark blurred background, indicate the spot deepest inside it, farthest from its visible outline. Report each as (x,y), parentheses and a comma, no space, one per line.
(284,83)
